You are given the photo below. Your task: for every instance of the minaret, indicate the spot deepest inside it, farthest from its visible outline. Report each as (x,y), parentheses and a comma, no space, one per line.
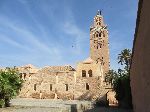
(99,50)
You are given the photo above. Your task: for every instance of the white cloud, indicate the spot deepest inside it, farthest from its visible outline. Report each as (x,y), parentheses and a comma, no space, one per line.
(31,42)
(36,45)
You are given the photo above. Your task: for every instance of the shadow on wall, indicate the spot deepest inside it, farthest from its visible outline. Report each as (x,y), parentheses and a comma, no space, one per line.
(101,102)
(85,96)
(44,95)
(74,108)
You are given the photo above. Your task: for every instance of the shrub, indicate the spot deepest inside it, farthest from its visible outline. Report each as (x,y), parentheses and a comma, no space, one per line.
(2,103)
(10,84)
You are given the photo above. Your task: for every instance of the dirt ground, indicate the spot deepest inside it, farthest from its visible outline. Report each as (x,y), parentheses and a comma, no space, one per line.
(46,109)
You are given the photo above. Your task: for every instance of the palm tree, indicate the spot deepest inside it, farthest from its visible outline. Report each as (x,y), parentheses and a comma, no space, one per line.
(125,58)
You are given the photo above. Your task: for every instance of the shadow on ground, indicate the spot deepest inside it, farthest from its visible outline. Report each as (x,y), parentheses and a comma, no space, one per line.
(108,109)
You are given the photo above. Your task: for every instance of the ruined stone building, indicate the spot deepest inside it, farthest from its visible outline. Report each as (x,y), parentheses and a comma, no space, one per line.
(87,81)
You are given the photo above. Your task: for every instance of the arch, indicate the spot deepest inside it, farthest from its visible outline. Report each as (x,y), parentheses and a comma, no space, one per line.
(97,35)
(83,73)
(90,73)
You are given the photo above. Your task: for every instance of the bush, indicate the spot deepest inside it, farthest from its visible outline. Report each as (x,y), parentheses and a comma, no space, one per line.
(123,91)
(2,103)
(10,84)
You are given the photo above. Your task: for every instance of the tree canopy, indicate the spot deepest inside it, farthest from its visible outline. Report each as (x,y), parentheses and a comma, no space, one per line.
(121,79)
(10,84)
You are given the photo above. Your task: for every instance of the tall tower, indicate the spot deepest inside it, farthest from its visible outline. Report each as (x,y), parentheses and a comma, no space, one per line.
(99,50)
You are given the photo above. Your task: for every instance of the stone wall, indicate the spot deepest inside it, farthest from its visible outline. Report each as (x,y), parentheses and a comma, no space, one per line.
(140,67)
(47,83)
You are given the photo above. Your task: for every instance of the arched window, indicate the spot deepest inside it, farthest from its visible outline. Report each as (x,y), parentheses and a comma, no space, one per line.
(83,73)
(90,73)
(87,86)
(96,35)
(99,23)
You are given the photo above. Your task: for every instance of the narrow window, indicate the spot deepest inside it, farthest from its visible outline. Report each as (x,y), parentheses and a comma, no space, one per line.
(100,45)
(51,87)
(34,87)
(96,35)
(66,87)
(103,34)
(24,75)
(99,34)
(90,73)
(87,86)
(83,73)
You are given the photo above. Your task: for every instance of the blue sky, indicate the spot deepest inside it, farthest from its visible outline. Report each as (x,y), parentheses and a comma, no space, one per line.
(56,32)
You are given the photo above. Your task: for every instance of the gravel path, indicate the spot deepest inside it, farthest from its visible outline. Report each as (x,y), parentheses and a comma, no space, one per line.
(46,109)
(30,109)
(47,105)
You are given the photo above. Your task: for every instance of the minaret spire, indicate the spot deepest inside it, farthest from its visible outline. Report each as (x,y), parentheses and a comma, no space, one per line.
(99,12)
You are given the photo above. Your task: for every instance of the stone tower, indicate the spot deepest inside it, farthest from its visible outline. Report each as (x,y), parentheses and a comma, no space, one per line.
(99,50)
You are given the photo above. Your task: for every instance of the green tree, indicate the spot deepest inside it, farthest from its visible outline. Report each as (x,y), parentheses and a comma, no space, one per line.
(10,84)
(125,58)
(122,83)
(111,75)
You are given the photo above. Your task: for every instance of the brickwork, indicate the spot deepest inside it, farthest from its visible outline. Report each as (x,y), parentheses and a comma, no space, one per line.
(99,50)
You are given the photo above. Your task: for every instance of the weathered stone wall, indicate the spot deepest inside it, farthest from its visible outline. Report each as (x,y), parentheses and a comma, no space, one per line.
(45,78)
(37,85)
(140,67)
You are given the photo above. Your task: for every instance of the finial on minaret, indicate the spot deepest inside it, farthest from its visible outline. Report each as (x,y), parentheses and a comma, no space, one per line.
(99,12)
